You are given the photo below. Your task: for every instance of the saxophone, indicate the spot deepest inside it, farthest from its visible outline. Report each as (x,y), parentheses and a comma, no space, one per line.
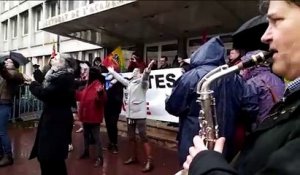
(207,115)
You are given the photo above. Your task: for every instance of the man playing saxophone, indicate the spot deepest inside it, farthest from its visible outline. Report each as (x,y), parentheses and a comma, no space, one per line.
(273,148)
(229,106)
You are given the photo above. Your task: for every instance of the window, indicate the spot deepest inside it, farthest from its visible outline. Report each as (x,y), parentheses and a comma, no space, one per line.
(6,5)
(152,49)
(38,11)
(74,55)
(14,25)
(15,3)
(151,53)
(47,59)
(63,6)
(91,1)
(24,17)
(70,5)
(91,57)
(169,47)
(194,44)
(4,28)
(156,50)
(170,51)
(51,8)
(197,42)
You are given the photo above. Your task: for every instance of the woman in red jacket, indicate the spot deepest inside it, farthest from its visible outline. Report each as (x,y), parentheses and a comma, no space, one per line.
(91,111)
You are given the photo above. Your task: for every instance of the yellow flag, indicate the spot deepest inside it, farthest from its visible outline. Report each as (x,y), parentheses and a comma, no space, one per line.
(121,59)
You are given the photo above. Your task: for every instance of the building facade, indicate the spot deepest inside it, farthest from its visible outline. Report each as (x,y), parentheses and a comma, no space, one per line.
(85,27)
(20,29)
(153,28)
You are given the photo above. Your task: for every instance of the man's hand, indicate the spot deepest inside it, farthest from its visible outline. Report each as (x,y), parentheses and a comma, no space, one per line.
(200,146)
(150,65)
(27,79)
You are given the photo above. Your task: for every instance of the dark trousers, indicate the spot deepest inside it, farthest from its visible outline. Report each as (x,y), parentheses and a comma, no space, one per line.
(53,167)
(1,149)
(5,113)
(188,128)
(111,122)
(94,131)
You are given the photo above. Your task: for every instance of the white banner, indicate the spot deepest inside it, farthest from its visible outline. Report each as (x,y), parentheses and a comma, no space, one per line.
(160,86)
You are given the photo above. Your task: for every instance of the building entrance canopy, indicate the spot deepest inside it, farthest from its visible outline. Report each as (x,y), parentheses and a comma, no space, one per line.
(113,23)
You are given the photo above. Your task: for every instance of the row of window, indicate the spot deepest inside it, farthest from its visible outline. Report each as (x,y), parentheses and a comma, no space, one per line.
(155,51)
(23,24)
(55,8)
(6,5)
(21,21)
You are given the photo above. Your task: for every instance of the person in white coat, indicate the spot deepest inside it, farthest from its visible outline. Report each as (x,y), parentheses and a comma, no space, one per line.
(136,110)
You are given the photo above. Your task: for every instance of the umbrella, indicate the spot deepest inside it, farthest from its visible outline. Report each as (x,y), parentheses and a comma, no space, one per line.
(18,57)
(248,35)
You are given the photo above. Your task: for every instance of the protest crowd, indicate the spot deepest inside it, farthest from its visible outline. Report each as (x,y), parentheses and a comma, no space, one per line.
(254,109)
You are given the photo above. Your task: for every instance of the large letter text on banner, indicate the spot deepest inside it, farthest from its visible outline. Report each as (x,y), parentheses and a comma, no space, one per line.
(160,86)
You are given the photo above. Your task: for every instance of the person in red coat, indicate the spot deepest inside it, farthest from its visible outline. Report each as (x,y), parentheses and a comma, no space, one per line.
(92,100)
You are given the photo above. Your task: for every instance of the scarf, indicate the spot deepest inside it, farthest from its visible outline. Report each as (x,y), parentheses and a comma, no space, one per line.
(51,75)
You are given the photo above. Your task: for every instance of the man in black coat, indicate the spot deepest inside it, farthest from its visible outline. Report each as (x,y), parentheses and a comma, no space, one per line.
(114,90)
(274,147)
(37,73)
(55,126)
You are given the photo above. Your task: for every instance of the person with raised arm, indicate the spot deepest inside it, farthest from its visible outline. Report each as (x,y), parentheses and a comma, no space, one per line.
(136,110)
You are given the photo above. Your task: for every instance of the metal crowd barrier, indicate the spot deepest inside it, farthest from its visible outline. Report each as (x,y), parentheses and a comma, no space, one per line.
(26,106)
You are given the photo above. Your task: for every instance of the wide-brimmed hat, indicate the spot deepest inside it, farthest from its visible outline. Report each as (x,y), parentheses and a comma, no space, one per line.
(15,56)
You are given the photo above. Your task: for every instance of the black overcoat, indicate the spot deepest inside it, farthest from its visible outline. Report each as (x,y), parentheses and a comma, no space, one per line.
(56,122)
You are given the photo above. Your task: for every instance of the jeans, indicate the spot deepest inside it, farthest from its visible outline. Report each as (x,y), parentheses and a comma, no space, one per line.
(94,130)
(5,112)
(188,128)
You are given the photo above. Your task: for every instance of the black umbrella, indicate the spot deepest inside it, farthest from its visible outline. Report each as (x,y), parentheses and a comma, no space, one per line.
(249,34)
(18,57)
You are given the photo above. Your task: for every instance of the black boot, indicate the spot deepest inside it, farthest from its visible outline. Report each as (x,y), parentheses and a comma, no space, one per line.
(99,162)
(148,166)
(110,146)
(115,149)
(6,160)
